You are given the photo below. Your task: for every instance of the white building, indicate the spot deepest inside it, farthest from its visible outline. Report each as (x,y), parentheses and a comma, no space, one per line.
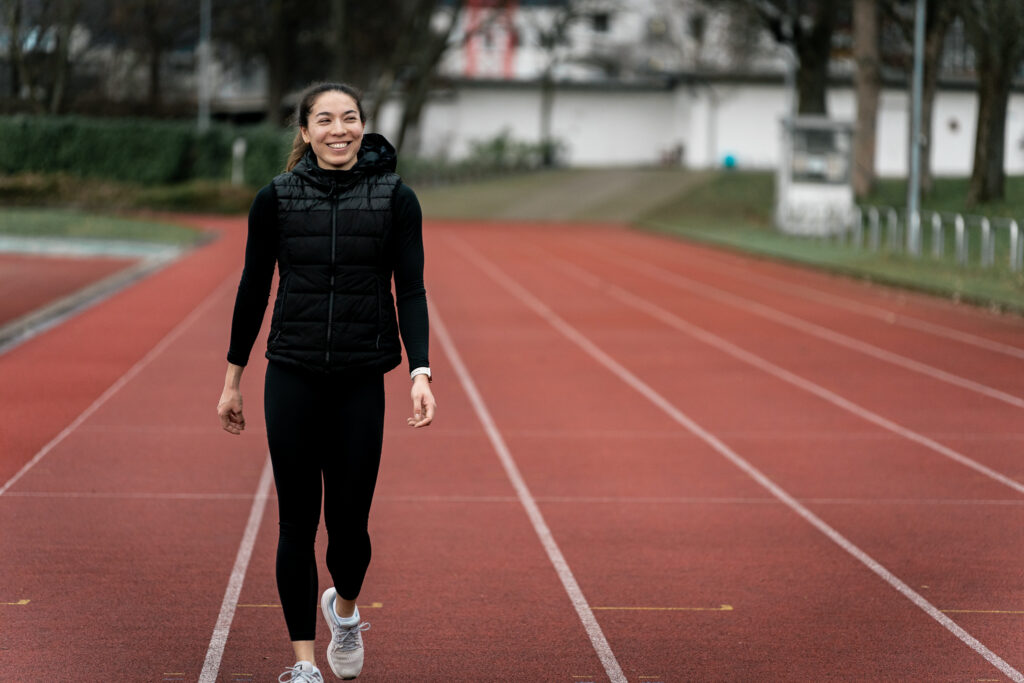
(687,79)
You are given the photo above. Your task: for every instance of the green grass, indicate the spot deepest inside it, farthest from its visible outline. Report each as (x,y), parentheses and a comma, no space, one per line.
(48,222)
(104,196)
(734,210)
(950,195)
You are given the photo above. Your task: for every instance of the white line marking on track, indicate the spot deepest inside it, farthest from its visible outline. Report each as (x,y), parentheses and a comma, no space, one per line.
(491,269)
(597,639)
(227,608)
(160,347)
(854,306)
(767,366)
(114,495)
(838,338)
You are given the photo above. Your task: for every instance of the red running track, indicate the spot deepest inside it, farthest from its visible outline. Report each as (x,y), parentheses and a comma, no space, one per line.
(29,282)
(702,468)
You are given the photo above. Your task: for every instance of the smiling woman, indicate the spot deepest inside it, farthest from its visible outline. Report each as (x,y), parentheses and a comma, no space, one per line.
(335,131)
(339,225)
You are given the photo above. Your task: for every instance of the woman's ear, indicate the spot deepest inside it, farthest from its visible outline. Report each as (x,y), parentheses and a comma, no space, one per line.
(305,134)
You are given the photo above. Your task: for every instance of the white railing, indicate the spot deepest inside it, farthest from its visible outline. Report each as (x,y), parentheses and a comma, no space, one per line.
(971,235)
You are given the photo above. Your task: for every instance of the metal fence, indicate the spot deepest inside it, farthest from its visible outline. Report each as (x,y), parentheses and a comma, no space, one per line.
(965,238)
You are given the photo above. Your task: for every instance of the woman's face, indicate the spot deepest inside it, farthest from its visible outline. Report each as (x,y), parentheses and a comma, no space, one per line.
(335,130)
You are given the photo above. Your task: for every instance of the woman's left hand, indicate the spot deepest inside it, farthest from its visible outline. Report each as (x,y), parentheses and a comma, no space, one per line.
(423,404)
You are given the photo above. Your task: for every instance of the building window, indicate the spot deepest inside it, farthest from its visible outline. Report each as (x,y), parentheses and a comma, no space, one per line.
(600,21)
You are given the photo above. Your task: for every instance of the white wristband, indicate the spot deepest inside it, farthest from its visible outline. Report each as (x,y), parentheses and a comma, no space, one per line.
(421,371)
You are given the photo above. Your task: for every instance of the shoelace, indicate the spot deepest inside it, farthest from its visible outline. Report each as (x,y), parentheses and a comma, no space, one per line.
(348,638)
(297,675)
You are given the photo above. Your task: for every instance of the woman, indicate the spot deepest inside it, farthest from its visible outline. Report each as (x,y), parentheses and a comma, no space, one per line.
(338,224)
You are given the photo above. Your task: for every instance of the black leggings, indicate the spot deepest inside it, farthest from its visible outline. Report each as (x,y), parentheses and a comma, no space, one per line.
(328,428)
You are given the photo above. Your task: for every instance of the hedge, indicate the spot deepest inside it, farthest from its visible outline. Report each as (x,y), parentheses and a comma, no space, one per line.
(145,151)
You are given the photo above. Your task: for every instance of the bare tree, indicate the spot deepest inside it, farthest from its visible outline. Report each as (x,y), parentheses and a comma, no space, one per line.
(867,81)
(153,28)
(806,26)
(551,34)
(68,13)
(13,10)
(423,65)
(996,31)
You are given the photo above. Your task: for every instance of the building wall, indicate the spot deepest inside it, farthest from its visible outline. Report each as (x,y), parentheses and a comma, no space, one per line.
(636,126)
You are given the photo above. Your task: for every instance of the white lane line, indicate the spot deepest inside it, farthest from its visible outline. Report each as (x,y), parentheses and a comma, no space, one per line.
(813,329)
(492,271)
(116,495)
(728,347)
(572,588)
(858,307)
(160,347)
(219,639)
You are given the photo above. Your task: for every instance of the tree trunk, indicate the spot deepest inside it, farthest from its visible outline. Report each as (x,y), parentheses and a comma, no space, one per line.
(62,65)
(337,40)
(813,52)
(17,59)
(988,175)
(277,63)
(547,108)
(940,15)
(422,77)
(867,81)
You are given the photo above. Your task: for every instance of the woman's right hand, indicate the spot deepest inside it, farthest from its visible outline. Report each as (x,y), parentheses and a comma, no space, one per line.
(230,411)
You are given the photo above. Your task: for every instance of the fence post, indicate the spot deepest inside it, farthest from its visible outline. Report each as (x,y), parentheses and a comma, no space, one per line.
(961,241)
(914,233)
(238,161)
(987,252)
(874,236)
(1014,240)
(893,225)
(937,237)
(857,234)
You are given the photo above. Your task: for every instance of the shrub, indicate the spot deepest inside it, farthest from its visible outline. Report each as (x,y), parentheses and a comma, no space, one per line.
(137,150)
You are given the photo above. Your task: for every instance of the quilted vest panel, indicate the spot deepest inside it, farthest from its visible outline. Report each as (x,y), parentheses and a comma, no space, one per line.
(334,311)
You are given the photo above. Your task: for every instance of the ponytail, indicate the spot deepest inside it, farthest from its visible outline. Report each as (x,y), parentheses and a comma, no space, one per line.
(299,147)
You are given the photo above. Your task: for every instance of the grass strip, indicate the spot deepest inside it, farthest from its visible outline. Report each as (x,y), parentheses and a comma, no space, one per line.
(72,223)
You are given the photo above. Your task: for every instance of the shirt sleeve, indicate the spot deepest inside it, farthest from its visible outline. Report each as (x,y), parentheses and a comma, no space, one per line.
(257,276)
(410,294)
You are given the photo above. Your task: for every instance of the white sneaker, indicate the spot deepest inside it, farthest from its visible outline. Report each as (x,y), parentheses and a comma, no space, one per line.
(345,653)
(302,672)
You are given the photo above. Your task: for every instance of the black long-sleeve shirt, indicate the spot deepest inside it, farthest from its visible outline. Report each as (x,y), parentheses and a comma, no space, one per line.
(261,255)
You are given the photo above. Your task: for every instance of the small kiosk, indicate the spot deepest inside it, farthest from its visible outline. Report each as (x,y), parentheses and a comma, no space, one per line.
(813,192)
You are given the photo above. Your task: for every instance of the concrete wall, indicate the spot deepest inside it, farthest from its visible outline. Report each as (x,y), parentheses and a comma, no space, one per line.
(638,126)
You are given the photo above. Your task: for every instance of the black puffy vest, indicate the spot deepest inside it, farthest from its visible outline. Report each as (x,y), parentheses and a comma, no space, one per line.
(334,310)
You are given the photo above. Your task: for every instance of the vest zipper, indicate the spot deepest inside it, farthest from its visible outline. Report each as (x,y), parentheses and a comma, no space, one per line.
(330,300)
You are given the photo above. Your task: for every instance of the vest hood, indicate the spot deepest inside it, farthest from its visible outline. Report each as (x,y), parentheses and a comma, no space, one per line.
(375,156)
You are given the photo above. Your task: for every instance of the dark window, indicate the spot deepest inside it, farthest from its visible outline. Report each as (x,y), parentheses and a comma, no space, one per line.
(600,22)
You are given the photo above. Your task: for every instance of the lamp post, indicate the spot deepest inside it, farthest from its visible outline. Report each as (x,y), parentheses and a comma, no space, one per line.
(203,65)
(914,183)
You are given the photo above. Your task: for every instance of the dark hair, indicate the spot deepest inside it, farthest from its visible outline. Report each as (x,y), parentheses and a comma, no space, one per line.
(305,106)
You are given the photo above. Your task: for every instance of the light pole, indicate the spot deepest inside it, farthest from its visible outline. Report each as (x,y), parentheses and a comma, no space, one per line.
(203,65)
(914,183)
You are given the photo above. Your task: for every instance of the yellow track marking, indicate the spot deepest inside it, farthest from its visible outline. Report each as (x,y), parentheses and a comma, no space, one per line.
(20,602)
(372,605)
(720,608)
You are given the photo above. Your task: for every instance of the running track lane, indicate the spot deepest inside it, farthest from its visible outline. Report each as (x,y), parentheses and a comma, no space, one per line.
(143,503)
(617,329)
(29,282)
(454,554)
